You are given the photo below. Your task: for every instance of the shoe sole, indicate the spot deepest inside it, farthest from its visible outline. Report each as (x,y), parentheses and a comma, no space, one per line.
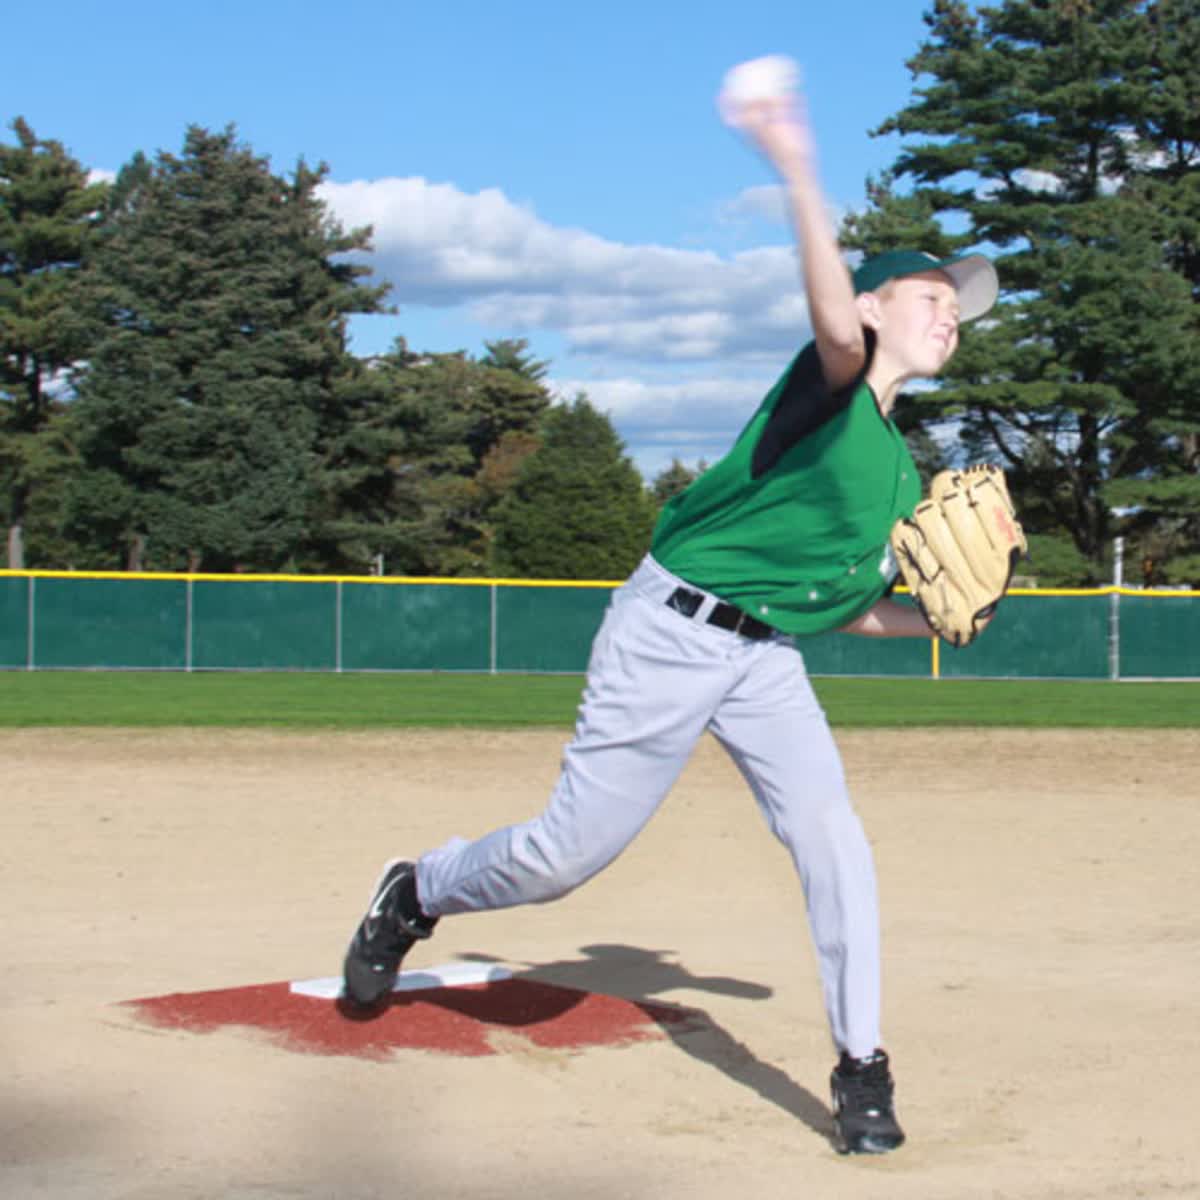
(865,1143)
(869,1145)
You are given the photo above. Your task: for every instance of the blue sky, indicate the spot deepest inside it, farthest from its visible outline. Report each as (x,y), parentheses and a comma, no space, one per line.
(550,171)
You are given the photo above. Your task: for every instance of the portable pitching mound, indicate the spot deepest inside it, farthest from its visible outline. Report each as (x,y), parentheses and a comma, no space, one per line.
(455,1008)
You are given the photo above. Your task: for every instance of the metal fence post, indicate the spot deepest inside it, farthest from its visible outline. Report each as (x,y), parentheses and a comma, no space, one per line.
(492,630)
(32,596)
(1114,610)
(188,626)
(337,629)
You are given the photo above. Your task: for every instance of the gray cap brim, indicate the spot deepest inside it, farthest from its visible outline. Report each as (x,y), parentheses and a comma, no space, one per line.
(976,282)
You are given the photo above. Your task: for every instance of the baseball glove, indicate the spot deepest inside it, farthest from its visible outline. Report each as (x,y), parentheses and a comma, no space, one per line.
(957,551)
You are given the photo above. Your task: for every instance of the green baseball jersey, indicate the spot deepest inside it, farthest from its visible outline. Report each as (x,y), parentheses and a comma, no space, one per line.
(792,524)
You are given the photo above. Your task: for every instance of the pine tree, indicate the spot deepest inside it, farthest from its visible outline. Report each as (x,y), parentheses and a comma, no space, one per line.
(424,448)
(512,354)
(1058,133)
(47,211)
(579,508)
(396,460)
(672,480)
(505,396)
(218,296)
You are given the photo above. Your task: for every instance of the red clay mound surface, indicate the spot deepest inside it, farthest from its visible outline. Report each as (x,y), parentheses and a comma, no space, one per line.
(448,1020)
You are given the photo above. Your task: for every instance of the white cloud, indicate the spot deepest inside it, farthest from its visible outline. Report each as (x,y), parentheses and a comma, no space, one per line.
(678,346)
(1050,184)
(1039,181)
(767,202)
(695,403)
(514,272)
(692,418)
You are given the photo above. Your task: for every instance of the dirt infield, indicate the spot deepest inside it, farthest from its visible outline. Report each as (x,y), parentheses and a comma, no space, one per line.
(1041,903)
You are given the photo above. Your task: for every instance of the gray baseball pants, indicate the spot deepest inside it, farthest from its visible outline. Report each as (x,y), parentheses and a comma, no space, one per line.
(656,681)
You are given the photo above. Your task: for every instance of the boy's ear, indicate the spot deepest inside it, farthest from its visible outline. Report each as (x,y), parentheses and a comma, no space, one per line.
(868,310)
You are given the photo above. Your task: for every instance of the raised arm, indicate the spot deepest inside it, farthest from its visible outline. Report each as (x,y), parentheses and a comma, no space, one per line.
(775,120)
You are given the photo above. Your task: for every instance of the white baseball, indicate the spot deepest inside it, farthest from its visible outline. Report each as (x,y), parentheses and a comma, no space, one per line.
(759,79)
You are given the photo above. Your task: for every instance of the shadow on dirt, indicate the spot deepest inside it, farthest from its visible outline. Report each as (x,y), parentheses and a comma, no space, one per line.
(638,974)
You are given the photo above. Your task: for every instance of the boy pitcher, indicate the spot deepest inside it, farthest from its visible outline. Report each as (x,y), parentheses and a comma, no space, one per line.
(785,536)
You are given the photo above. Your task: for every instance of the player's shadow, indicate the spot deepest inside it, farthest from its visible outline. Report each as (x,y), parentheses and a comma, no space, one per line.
(638,974)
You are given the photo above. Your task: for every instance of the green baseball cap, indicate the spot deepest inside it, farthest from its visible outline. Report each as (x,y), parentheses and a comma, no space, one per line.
(973,276)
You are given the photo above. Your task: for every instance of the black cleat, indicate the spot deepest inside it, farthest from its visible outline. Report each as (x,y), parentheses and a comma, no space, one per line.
(393,923)
(863,1118)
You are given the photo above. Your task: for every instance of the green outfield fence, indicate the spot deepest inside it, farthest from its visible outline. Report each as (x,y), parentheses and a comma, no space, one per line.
(74,620)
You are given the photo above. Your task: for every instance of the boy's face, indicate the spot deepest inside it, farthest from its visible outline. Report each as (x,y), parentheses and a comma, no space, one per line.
(917,321)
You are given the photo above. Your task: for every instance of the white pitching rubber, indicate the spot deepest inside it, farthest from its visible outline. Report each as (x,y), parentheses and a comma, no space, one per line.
(446,975)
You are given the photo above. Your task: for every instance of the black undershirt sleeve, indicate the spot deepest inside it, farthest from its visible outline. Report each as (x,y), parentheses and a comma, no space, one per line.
(804,405)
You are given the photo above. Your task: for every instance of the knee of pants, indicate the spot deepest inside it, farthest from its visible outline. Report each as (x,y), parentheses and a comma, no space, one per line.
(830,830)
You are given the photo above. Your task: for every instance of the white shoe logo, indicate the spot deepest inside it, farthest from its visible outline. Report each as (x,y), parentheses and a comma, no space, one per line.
(377,907)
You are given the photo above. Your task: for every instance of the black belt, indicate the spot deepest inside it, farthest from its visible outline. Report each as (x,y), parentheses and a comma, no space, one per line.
(723,616)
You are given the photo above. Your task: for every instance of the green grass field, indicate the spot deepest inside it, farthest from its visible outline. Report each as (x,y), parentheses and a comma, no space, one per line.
(304,701)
